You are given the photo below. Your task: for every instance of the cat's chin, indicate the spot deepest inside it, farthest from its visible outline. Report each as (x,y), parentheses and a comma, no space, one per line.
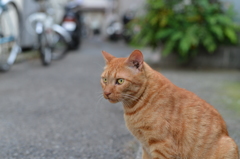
(112,101)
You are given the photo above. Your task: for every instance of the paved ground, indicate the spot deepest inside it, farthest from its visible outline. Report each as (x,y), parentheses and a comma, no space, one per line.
(55,112)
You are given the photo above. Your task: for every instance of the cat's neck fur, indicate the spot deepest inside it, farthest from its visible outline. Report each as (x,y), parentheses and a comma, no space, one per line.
(149,75)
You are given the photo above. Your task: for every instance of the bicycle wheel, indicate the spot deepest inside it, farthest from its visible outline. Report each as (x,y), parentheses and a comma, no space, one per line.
(9,31)
(60,46)
(45,48)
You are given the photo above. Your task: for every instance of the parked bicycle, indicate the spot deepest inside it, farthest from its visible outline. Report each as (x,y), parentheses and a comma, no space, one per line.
(72,22)
(53,39)
(9,33)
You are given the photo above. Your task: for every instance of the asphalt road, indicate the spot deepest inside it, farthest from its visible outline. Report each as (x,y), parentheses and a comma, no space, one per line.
(56,112)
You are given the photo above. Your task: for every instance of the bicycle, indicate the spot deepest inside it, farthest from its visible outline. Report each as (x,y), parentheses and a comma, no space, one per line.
(53,40)
(9,29)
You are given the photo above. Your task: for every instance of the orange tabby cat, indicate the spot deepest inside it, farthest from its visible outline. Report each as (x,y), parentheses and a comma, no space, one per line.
(170,122)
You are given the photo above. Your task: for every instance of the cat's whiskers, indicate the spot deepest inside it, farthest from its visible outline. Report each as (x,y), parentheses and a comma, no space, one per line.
(128,95)
(99,93)
(129,99)
(98,65)
(100,97)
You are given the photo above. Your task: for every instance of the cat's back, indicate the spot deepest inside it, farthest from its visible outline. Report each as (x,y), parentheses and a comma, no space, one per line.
(180,107)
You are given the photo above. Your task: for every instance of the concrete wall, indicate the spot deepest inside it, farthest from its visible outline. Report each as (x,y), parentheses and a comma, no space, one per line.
(224,57)
(125,5)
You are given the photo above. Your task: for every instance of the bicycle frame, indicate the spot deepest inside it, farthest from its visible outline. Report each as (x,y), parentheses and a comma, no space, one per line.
(11,37)
(4,8)
(1,9)
(44,21)
(42,24)
(59,29)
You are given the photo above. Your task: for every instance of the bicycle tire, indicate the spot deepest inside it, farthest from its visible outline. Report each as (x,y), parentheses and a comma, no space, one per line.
(9,47)
(45,49)
(60,47)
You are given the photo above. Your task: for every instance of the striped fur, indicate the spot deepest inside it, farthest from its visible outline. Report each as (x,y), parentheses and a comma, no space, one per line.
(170,122)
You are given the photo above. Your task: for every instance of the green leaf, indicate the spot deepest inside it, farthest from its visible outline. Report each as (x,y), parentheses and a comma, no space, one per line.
(203,3)
(176,36)
(184,46)
(212,48)
(230,33)
(209,43)
(212,20)
(223,19)
(168,47)
(192,34)
(146,38)
(156,5)
(163,21)
(154,20)
(217,30)
(163,33)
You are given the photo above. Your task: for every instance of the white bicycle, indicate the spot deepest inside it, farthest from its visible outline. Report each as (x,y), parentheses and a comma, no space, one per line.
(9,33)
(53,39)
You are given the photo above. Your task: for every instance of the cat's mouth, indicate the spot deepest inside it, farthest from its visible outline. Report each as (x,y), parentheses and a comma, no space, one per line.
(112,100)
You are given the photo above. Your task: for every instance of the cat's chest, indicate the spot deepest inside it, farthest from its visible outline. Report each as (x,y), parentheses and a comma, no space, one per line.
(140,127)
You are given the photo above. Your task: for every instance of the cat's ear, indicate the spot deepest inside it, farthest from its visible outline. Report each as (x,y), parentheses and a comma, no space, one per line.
(107,57)
(135,60)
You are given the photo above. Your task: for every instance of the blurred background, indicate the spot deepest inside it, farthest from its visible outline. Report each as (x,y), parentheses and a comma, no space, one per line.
(96,15)
(58,111)
(209,26)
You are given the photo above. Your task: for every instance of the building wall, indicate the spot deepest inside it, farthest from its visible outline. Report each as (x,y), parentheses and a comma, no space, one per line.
(136,5)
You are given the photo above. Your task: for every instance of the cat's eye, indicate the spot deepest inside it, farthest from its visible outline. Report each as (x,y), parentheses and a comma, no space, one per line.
(104,80)
(120,81)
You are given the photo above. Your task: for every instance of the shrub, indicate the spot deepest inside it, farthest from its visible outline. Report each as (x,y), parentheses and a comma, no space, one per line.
(186,29)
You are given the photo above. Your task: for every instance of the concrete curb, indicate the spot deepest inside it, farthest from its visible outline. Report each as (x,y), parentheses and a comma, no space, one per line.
(139,153)
(27,55)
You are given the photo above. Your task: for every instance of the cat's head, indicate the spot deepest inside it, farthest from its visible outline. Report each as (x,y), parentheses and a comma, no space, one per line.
(122,78)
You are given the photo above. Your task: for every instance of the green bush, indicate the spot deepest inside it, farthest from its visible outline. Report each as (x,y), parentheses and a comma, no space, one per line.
(186,29)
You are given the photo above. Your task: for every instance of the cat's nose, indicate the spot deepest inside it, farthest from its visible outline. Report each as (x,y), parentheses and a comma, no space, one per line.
(107,93)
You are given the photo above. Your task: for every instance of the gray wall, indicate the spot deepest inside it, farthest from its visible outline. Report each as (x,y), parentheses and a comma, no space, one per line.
(125,5)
